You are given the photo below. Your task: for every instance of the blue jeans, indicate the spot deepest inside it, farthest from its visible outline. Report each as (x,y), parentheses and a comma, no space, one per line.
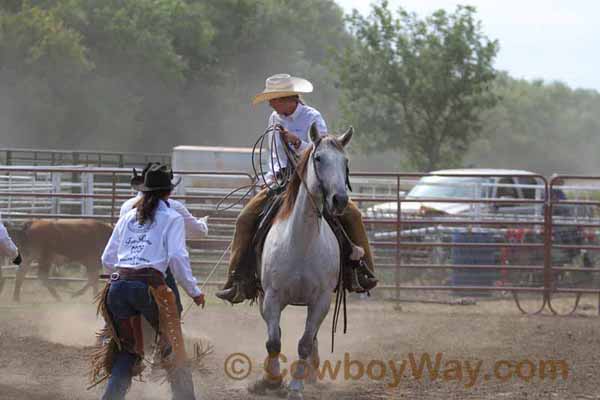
(170,281)
(125,300)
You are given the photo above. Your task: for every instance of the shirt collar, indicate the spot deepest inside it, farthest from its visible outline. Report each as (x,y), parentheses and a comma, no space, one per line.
(162,205)
(295,114)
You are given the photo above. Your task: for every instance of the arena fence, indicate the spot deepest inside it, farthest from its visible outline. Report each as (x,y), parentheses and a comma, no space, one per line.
(457,235)
(106,159)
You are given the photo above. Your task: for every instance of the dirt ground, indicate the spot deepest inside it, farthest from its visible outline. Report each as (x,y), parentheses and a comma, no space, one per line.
(43,350)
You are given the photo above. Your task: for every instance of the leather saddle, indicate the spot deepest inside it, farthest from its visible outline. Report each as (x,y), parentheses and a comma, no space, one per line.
(266,217)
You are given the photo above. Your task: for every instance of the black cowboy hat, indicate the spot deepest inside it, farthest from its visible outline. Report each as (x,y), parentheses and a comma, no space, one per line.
(137,180)
(157,177)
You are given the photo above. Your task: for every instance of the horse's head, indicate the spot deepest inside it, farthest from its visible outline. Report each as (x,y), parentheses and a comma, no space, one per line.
(328,168)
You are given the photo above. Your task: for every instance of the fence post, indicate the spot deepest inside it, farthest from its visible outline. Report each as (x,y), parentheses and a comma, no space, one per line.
(87,183)
(10,188)
(114,194)
(548,279)
(56,179)
(398,230)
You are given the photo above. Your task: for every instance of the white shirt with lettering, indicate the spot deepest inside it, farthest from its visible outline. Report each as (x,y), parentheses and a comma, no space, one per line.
(7,246)
(158,244)
(194,227)
(298,123)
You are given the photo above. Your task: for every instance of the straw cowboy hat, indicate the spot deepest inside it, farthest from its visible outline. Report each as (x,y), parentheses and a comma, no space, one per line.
(282,85)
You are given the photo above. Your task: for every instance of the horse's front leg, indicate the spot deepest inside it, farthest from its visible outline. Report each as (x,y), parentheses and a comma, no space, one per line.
(313,363)
(271,312)
(306,347)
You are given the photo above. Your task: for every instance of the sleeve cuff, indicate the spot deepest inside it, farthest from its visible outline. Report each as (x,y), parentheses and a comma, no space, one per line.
(204,222)
(195,292)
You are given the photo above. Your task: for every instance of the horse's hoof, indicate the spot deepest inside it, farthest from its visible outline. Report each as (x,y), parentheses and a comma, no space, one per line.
(257,388)
(295,395)
(312,378)
(261,386)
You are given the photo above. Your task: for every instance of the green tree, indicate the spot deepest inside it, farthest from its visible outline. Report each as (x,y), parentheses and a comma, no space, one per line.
(269,37)
(545,127)
(417,85)
(105,73)
(43,62)
(145,75)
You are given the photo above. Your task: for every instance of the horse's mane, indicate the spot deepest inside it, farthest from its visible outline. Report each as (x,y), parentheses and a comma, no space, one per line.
(291,191)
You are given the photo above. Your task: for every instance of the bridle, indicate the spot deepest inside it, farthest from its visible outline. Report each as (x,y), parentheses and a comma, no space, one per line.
(292,160)
(320,185)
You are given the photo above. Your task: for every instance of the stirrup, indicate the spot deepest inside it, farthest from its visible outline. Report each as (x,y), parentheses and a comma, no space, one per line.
(351,279)
(365,278)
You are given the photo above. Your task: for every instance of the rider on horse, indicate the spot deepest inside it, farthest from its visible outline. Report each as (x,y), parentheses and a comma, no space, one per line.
(290,122)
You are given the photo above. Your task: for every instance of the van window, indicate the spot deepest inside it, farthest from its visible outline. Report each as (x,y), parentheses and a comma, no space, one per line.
(528,193)
(507,191)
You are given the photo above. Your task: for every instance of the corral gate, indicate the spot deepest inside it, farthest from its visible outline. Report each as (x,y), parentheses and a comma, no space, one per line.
(423,256)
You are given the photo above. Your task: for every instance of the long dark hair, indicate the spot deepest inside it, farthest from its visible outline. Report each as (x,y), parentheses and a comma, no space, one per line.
(146,206)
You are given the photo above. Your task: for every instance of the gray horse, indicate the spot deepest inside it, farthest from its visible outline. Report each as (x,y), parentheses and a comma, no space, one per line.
(301,257)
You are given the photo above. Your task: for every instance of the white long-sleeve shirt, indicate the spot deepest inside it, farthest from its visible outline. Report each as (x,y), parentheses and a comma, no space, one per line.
(7,246)
(195,228)
(158,245)
(298,123)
